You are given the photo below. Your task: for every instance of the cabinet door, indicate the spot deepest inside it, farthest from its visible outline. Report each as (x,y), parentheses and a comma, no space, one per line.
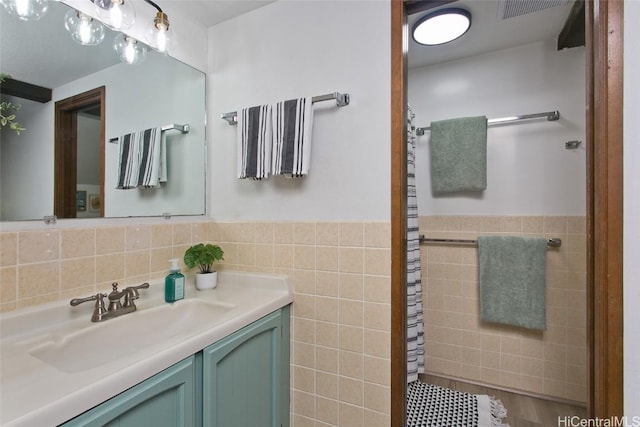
(164,400)
(246,376)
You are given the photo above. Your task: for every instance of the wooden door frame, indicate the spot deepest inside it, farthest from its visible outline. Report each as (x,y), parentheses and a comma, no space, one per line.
(65,151)
(604,208)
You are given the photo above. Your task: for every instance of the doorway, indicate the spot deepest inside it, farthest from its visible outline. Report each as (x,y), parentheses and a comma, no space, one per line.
(73,150)
(604,207)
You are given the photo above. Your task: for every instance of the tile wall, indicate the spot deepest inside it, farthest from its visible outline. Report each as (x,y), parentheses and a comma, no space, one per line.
(458,344)
(340,272)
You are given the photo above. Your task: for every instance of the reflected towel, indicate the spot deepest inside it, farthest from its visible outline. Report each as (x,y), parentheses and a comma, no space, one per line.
(142,160)
(254,142)
(513,280)
(459,155)
(152,158)
(128,162)
(292,126)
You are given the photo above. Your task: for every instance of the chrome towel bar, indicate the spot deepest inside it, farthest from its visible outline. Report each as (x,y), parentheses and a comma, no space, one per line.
(553,242)
(342,100)
(173,126)
(550,115)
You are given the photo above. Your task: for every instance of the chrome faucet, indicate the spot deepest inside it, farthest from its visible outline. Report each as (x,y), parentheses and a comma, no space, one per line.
(115,308)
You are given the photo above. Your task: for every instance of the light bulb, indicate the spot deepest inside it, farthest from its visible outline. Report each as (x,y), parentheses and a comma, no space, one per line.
(116,14)
(158,34)
(83,29)
(27,10)
(129,49)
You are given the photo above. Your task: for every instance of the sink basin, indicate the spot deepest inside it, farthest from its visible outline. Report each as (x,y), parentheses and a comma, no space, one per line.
(100,343)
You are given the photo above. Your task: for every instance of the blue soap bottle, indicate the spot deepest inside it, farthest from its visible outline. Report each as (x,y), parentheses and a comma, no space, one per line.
(174,283)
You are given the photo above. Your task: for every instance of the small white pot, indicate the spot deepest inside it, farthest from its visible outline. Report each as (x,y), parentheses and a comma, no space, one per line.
(206,280)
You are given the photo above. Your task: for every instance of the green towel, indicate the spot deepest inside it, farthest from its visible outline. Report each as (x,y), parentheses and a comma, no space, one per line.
(459,155)
(513,280)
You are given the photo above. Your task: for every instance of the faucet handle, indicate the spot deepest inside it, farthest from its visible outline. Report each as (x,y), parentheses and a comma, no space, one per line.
(78,301)
(131,293)
(145,285)
(98,310)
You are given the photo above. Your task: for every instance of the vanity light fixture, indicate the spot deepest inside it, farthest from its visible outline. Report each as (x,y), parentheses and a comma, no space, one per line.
(83,28)
(441,26)
(158,34)
(27,10)
(116,14)
(129,50)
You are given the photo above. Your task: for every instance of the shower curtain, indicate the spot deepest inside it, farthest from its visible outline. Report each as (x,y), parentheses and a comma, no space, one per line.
(415,324)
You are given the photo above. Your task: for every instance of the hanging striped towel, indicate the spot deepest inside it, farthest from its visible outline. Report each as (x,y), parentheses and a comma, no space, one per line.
(152,161)
(292,124)
(128,164)
(254,142)
(142,159)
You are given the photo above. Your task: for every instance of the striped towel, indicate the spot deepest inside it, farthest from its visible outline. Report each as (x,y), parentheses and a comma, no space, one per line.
(142,159)
(254,142)
(292,124)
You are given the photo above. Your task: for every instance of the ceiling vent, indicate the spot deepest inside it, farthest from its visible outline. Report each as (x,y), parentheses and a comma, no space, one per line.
(512,8)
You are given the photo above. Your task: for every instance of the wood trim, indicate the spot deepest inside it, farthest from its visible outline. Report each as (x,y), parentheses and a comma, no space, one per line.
(65,150)
(573,32)
(605,208)
(399,46)
(590,60)
(25,90)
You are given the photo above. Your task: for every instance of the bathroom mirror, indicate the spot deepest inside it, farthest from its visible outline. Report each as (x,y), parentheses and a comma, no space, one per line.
(159,92)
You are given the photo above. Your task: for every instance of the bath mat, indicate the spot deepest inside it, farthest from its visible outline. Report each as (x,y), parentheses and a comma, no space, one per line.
(429,405)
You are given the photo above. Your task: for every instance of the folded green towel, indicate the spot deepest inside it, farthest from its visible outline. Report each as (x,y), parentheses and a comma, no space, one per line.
(459,155)
(513,280)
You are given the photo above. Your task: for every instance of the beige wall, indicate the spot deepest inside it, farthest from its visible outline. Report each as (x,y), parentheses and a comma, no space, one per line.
(458,344)
(341,316)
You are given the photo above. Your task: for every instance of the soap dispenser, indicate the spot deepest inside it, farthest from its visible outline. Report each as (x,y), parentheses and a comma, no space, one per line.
(174,283)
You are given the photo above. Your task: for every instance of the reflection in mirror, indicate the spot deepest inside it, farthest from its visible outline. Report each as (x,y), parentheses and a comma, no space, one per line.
(158,92)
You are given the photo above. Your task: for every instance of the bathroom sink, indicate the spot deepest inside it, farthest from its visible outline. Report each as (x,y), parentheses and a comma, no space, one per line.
(100,343)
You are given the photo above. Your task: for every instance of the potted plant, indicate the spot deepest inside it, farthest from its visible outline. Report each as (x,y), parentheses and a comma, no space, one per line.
(204,256)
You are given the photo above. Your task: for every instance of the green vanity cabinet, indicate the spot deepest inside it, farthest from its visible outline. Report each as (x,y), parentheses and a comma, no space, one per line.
(246,376)
(165,400)
(239,381)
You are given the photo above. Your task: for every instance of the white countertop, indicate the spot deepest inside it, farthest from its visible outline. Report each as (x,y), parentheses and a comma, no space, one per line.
(35,393)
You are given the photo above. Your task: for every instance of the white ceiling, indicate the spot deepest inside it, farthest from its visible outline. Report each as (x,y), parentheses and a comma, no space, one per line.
(212,12)
(488,33)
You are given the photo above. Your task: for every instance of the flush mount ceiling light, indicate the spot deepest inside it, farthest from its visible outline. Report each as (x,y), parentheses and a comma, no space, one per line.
(441,26)
(27,10)
(83,29)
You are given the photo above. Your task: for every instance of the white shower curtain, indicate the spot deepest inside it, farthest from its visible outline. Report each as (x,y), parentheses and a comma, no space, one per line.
(415,324)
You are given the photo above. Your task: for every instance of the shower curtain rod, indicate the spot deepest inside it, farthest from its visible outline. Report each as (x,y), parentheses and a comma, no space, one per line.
(342,99)
(550,115)
(553,242)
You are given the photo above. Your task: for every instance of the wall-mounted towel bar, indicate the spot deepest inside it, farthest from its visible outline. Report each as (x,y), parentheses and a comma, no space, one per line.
(550,116)
(173,126)
(554,242)
(342,99)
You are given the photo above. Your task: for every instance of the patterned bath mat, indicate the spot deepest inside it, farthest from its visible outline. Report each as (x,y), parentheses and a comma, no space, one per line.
(429,405)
